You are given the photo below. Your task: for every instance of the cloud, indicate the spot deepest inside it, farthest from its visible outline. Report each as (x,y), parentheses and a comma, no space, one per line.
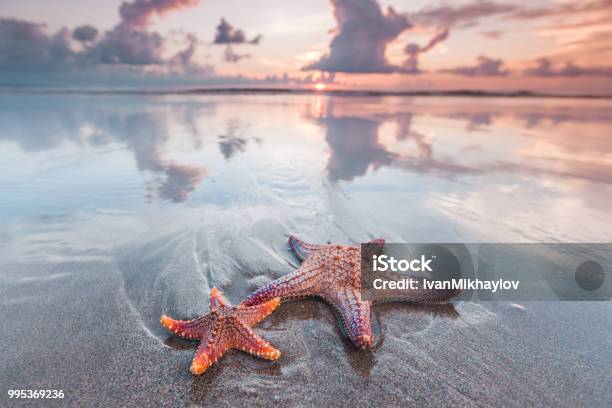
(138,13)
(228,34)
(463,16)
(184,57)
(26,46)
(361,39)
(444,18)
(563,9)
(413,50)
(580,30)
(439,37)
(545,68)
(129,43)
(364,32)
(130,47)
(85,33)
(485,67)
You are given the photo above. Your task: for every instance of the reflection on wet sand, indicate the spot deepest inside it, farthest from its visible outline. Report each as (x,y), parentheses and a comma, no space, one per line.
(145,134)
(357,145)
(233,141)
(353,156)
(172,181)
(145,138)
(356,148)
(177,183)
(355,134)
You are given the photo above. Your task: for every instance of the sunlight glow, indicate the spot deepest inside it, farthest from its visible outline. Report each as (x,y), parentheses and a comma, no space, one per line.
(320,86)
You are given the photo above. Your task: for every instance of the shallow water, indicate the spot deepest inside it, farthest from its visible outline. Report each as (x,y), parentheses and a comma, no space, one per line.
(118,208)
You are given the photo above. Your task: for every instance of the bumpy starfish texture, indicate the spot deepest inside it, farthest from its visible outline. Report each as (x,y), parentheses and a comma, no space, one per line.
(333,273)
(223,328)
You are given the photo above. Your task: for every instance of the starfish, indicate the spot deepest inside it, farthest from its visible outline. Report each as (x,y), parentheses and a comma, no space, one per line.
(333,273)
(223,328)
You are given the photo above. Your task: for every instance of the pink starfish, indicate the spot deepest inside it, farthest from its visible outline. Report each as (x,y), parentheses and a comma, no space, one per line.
(223,328)
(333,273)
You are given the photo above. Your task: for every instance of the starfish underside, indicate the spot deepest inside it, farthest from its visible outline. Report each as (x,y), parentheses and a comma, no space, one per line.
(333,273)
(223,328)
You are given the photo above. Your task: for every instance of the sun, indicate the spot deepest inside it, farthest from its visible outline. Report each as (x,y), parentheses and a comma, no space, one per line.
(319,86)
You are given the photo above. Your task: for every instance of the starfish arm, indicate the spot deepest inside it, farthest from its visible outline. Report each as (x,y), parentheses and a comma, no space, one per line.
(355,314)
(420,295)
(297,284)
(303,249)
(251,315)
(190,329)
(212,347)
(246,340)
(217,299)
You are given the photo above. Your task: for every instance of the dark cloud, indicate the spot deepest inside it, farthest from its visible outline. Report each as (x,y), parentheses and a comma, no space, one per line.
(129,43)
(130,47)
(24,45)
(228,34)
(85,33)
(462,16)
(545,68)
(138,13)
(485,66)
(413,50)
(363,34)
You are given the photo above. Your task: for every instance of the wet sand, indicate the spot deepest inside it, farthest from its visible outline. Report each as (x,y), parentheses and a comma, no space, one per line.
(118,208)
(91,329)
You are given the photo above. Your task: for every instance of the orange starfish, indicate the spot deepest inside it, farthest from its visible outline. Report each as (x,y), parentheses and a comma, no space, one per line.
(333,273)
(223,328)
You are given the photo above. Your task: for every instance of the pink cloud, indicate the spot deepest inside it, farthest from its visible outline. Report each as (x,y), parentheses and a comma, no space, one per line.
(138,13)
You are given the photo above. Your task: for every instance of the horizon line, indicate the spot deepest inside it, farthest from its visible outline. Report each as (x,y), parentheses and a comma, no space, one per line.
(298,91)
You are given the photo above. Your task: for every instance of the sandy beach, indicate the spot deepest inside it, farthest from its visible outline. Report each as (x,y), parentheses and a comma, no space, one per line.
(119,208)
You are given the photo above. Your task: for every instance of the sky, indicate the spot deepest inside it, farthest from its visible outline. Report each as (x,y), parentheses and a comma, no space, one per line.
(553,46)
